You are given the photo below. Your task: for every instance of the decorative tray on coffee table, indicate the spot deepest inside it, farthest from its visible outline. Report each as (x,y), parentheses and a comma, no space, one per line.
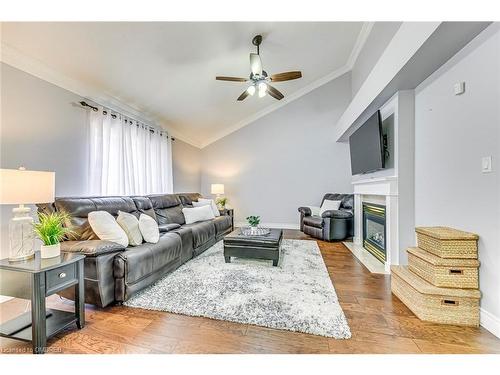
(249,231)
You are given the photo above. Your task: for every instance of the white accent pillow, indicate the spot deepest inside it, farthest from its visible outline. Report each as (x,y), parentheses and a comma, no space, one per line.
(211,202)
(314,210)
(329,205)
(149,228)
(106,228)
(130,224)
(202,213)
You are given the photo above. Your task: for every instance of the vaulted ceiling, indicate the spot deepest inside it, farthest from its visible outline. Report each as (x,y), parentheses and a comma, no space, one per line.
(166,70)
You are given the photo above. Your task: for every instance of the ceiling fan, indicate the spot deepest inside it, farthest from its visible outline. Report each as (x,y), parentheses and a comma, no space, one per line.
(259,80)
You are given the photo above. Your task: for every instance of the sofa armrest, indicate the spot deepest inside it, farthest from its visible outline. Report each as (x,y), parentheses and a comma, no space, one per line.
(168,227)
(306,211)
(91,248)
(337,214)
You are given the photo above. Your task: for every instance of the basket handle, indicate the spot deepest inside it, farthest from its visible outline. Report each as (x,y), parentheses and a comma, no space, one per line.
(449,302)
(456,272)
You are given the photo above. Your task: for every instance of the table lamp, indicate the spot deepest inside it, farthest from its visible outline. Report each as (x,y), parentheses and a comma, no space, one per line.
(19,186)
(217,189)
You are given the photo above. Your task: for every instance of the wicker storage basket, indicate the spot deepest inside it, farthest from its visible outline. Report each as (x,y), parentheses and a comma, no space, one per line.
(442,272)
(447,242)
(434,304)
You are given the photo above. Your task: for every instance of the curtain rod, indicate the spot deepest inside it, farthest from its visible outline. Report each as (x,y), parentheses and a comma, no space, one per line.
(95,109)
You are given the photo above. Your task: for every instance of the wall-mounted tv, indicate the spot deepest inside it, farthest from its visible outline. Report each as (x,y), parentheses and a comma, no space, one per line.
(367,146)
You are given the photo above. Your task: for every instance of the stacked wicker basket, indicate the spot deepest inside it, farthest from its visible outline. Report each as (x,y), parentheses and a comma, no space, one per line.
(441,281)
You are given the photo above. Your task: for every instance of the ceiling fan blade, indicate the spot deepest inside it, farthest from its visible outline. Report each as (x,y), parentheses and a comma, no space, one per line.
(287,76)
(255,64)
(232,79)
(243,95)
(276,94)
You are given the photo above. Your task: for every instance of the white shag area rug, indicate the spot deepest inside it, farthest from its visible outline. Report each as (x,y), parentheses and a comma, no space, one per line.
(298,295)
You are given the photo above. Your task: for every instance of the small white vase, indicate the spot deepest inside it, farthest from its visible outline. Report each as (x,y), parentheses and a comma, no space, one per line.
(50,251)
(254,230)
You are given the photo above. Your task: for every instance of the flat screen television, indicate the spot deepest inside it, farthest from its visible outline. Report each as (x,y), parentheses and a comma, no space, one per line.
(367,146)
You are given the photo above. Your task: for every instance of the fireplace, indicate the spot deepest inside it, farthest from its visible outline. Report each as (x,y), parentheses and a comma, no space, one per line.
(374,238)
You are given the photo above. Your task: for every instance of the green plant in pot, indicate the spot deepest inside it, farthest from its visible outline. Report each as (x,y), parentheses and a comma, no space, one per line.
(51,230)
(221,202)
(253,221)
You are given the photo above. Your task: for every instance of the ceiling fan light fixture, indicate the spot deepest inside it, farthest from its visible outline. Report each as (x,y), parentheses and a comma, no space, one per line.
(251,90)
(262,89)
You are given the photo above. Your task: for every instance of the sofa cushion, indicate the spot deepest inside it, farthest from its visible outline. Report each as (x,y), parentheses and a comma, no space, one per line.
(136,263)
(203,231)
(222,224)
(188,198)
(313,221)
(144,206)
(79,208)
(168,208)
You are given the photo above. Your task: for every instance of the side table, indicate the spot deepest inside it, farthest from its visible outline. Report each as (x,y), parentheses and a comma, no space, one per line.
(36,279)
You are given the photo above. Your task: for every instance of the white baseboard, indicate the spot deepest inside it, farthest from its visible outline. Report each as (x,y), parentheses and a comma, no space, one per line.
(270,225)
(490,322)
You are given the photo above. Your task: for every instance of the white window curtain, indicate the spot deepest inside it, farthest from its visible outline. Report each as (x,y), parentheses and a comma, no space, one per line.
(127,157)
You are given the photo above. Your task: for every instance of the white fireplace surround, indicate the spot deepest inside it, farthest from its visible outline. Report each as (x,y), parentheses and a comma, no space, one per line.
(392,187)
(383,191)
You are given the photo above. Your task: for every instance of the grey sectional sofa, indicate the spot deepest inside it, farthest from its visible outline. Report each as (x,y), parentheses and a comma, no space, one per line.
(114,273)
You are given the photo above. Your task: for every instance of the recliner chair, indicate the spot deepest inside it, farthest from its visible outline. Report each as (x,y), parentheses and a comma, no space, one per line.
(332,225)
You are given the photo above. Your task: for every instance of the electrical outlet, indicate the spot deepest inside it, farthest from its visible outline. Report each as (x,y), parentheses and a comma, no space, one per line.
(459,88)
(486,164)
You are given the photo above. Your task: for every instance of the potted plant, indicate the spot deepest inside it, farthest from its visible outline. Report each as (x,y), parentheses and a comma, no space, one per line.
(253,221)
(221,202)
(50,229)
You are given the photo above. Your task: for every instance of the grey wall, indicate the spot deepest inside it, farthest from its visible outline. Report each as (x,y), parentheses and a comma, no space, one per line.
(380,36)
(42,128)
(186,164)
(285,159)
(452,134)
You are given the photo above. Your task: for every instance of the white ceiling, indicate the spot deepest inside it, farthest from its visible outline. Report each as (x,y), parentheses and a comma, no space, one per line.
(167,70)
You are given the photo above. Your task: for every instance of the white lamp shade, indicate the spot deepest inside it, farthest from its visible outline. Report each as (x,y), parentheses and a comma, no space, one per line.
(217,189)
(26,187)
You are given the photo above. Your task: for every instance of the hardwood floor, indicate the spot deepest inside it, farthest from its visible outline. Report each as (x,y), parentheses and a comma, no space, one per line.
(379,323)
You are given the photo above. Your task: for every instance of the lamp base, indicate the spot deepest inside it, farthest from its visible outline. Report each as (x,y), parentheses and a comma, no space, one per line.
(21,236)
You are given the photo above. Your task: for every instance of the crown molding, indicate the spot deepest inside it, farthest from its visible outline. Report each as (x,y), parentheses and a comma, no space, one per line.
(365,31)
(13,57)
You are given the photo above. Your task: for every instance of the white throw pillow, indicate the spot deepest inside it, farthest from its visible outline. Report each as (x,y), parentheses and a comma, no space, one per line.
(314,210)
(106,228)
(149,228)
(192,215)
(329,205)
(130,224)
(212,204)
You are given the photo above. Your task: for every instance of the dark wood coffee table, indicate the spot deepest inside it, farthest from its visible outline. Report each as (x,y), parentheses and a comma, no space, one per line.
(266,247)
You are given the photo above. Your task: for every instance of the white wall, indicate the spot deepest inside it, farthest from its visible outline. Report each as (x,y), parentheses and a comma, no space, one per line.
(452,134)
(380,36)
(43,128)
(186,164)
(284,160)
